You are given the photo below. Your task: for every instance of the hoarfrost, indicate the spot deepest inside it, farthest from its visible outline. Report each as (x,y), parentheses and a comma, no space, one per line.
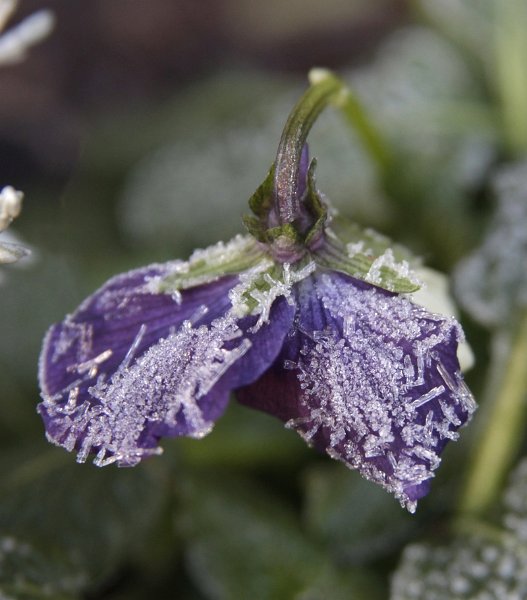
(381,394)
(387,259)
(262,285)
(164,386)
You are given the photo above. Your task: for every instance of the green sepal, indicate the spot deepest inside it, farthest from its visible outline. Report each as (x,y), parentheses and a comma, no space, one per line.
(368,256)
(205,266)
(287,232)
(315,206)
(255,227)
(261,201)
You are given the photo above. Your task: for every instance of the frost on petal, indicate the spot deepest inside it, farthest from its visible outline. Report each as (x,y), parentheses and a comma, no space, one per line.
(372,379)
(130,366)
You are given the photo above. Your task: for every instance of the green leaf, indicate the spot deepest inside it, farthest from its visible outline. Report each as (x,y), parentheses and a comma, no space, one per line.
(97,517)
(245,543)
(357,520)
(29,574)
(245,439)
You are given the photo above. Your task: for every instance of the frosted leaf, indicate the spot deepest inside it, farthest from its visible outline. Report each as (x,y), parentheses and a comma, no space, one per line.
(470,568)
(29,572)
(492,282)
(468,21)
(515,501)
(385,396)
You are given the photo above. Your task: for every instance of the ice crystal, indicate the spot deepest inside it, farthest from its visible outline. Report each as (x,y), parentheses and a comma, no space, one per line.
(165,385)
(371,387)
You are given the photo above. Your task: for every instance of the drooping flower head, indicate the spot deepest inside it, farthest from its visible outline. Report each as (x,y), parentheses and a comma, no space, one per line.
(308,318)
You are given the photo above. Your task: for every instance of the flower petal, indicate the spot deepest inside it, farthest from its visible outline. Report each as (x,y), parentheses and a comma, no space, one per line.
(372,379)
(130,365)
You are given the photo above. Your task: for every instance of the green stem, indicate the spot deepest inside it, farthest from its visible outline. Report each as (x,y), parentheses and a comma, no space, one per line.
(502,427)
(510,68)
(372,140)
(287,165)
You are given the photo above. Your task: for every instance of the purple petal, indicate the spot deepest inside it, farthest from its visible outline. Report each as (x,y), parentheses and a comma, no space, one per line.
(131,365)
(372,379)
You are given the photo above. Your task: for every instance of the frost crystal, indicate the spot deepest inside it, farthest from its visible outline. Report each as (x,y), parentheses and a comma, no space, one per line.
(381,394)
(165,385)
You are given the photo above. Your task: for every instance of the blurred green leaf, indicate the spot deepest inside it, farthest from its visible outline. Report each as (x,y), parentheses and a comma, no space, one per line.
(97,517)
(30,574)
(245,543)
(486,562)
(357,520)
(245,438)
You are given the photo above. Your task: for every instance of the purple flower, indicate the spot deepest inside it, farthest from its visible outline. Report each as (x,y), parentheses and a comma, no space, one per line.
(306,319)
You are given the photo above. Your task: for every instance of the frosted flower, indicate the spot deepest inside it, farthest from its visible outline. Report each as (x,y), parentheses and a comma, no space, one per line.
(307,319)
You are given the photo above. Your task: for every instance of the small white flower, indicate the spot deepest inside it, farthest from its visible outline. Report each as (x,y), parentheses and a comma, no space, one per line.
(15,43)
(10,206)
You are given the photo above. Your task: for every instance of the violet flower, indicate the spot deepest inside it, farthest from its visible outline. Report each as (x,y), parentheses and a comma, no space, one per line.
(307,318)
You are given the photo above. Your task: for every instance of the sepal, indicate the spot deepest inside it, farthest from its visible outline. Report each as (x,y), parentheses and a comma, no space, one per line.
(204,266)
(367,256)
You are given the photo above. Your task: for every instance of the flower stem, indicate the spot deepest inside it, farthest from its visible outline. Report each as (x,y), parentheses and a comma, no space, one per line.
(510,51)
(502,426)
(372,140)
(287,165)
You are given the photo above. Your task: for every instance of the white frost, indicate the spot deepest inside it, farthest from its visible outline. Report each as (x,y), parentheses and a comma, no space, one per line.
(362,388)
